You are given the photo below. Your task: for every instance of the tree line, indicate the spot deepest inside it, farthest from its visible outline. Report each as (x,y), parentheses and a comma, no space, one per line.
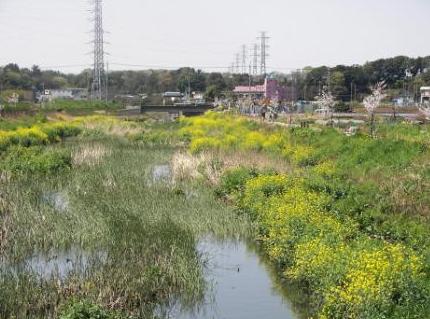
(402,75)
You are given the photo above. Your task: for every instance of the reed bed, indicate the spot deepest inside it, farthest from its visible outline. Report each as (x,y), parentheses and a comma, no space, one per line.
(134,238)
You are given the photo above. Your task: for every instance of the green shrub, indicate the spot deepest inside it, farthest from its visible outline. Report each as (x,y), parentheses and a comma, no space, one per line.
(87,310)
(39,134)
(154,138)
(20,159)
(60,130)
(234,180)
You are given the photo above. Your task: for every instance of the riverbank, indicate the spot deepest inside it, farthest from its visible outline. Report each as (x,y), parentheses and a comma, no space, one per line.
(339,216)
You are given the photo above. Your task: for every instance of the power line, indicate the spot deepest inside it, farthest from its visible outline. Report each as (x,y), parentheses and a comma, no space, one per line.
(232,67)
(63,66)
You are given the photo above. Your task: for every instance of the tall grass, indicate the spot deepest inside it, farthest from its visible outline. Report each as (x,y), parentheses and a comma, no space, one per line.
(147,231)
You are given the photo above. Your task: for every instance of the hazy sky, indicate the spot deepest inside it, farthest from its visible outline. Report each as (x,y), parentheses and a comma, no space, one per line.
(202,33)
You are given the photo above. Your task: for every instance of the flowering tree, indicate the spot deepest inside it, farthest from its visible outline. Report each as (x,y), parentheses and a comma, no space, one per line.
(326,102)
(372,102)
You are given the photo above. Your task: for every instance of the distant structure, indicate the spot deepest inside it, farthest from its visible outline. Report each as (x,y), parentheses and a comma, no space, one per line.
(271,90)
(263,52)
(238,63)
(99,83)
(255,60)
(75,94)
(254,63)
(172,97)
(244,65)
(425,95)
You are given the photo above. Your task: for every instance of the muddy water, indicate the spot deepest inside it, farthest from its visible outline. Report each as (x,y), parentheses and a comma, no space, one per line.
(243,286)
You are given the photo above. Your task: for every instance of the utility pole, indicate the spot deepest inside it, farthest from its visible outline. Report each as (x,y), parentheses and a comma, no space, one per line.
(352,90)
(98,42)
(263,52)
(355,92)
(244,59)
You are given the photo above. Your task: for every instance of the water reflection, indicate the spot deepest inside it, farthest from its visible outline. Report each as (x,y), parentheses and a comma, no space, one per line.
(242,283)
(59,264)
(161,173)
(57,200)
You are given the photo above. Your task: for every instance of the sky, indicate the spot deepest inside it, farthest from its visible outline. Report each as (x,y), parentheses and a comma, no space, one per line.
(206,34)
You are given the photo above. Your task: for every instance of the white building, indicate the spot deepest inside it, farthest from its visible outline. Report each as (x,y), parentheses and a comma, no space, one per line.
(66,94)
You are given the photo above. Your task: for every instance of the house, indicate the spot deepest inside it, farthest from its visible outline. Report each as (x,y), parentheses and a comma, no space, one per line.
(425,95)
(271,89)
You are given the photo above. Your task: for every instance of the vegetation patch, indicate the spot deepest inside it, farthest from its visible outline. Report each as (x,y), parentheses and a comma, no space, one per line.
(20,160)
(329,222)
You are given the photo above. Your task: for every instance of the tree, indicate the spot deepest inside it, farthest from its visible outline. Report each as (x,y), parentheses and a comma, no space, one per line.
(337,84)
(372,102)
(326,102)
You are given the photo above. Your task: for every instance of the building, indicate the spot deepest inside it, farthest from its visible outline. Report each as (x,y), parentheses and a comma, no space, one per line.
(271,89)
(172,97)
(425,95)
(65,94)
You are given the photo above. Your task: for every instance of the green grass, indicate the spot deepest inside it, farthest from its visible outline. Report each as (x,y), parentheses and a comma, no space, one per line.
(147,230)
(7,124)
(76,106)
(350,212)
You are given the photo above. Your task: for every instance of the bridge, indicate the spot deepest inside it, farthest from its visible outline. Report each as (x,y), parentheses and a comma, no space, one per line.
(171,109)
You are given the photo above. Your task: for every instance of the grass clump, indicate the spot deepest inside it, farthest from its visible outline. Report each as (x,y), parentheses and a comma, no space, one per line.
(39,134)
(87,310)
(19,160)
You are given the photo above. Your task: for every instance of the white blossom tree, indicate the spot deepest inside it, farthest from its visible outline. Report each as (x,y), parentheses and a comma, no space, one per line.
(326,102)
(372,102)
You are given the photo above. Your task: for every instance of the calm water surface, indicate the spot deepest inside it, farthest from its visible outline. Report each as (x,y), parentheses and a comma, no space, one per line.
(243,287)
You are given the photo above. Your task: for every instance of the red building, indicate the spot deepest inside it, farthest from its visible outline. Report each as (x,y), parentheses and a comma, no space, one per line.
(270,90)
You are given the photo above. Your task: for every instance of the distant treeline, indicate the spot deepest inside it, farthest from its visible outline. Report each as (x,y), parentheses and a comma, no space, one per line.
(403,76)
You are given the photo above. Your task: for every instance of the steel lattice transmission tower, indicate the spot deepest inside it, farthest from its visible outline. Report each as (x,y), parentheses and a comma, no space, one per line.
(255,60)
(238,63)
(244,65)
(263,52)
(98,85)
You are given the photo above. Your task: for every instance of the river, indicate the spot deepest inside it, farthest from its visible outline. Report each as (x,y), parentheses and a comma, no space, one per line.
(244,285)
